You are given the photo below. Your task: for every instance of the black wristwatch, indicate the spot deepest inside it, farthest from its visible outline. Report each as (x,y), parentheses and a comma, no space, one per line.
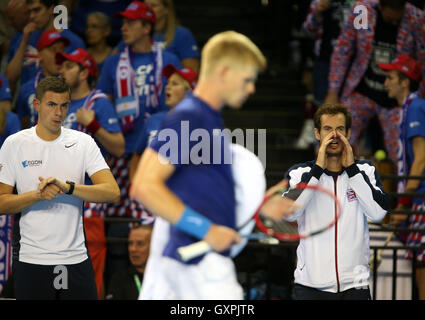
(71,187)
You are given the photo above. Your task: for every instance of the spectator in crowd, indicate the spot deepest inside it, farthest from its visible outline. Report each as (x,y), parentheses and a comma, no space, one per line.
(393,28)
(49,43)
(172,36)
(402,79)
(91,111)
(98,29)
(23,53)
(180,81)
(344,249)
(126,284)
(134,82)
(9,121)
(324,22)
(80,9)
(13,19)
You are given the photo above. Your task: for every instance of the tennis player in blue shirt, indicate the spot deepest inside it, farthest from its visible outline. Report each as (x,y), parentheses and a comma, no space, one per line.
(193,188)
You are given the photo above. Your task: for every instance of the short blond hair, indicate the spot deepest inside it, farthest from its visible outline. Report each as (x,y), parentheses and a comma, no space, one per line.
(233,48)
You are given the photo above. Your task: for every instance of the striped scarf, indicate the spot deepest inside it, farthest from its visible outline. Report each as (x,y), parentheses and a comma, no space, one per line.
(127,102)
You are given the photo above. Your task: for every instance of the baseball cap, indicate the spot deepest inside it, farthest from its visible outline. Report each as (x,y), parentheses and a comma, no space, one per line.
(49,37)
(138,10)
(187,74)
(404,64)
(80,56)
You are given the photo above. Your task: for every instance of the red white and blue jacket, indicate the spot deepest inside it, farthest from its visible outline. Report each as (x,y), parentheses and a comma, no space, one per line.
(313,26)
(338,258)
(357,44)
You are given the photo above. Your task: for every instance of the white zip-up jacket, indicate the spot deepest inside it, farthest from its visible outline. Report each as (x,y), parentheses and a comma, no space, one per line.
(337,259)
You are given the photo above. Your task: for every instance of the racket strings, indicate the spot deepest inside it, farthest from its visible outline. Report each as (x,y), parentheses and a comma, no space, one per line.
(288,231)
(285,227)
(280,226)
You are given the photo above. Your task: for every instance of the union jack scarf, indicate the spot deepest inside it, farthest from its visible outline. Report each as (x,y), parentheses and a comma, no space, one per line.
(127,102)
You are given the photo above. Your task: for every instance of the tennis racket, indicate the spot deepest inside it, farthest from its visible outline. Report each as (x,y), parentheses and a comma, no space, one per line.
(283,230)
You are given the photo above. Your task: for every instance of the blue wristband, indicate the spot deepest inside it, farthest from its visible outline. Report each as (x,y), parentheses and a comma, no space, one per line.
(193,223)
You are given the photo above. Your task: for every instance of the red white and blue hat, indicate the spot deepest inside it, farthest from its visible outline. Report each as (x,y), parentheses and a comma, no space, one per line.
(404,64)
(80,56)
(138,10)
(187,74)
(50,37)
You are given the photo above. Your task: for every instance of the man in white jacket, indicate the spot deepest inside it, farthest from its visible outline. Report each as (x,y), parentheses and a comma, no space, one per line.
(334,264)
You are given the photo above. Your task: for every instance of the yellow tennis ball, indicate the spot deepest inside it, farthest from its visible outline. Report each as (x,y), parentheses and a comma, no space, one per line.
(380,155)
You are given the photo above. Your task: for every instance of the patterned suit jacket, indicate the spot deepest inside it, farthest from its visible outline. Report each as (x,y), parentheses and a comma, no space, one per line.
(356,45)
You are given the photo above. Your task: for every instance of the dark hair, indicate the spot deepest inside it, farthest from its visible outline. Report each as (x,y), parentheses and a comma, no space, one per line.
(393,4)
(90,79)
(139,224)
(333,109)
(413,85)
(54,84)
(145,22)
(46,3)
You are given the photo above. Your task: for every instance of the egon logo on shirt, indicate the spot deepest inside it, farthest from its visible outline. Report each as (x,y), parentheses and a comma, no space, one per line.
(32,163)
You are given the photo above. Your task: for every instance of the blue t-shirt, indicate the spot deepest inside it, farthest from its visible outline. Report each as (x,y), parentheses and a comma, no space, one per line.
(30,63)
(183,45)
(144,67)
(4,88)
(24,104)
(104,113)
(100,66)
(150,130)
(12,126)
(206,186)
(415,127)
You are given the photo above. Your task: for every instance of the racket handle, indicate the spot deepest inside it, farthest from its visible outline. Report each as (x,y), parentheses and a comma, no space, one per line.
(199,248)
(193,250)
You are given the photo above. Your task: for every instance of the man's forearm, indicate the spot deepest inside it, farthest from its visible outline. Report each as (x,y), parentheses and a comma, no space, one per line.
(102,192)
(417,169)
(14,67)
(15,203)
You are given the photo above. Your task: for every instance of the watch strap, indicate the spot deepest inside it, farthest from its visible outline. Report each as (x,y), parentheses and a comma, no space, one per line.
(71,187)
